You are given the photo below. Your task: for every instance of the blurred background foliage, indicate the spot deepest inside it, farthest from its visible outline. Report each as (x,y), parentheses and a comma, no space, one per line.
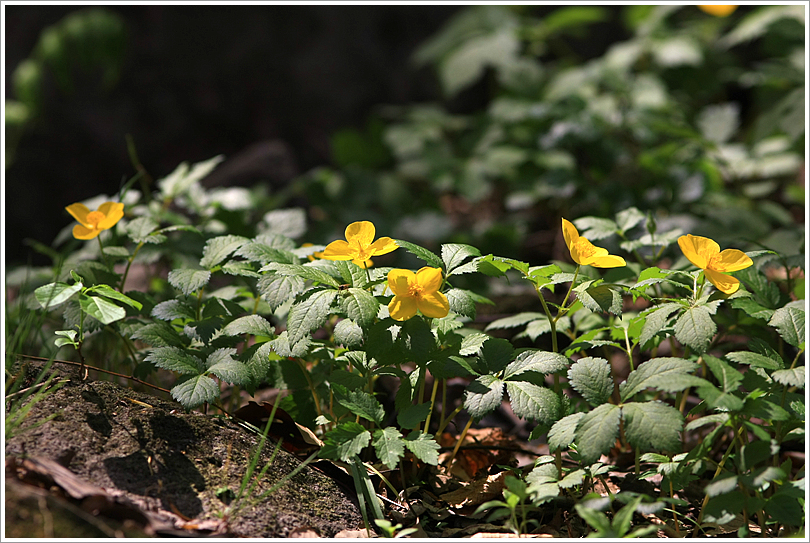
(529,113)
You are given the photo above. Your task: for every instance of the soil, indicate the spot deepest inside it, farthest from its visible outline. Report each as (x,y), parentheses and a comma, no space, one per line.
(98,459)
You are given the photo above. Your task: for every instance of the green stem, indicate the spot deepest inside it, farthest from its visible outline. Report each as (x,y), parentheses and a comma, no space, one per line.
(458,443)
(432,403)
(129,263)
(103,256)
(716,474)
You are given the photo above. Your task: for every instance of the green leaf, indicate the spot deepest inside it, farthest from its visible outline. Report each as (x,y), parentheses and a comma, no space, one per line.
(101,310)
(592,378)
(347,440)
(483,396)
(754,360)
(219,248)
(789,322)
(724,509)
(277,289)
(532,402)
(196,391)
(189,281)
(54,294)
(239,268)
(360,306)
(410,417)
(421,253)
(175,359)
(595,228)
(462,302)
(173,309)
(695,328)
(159,334)
(360,403)
(348,334)
(109,292)
(572,479)
(496,354)
(655,321)
(563,432)
(389,445)
(306,272)
(784,506)
(790,377)
(222,364)
(514,321)
(628,218)
(728,377)
(423,447)
(752,308)
(263,254)
(722,485)
(600,299)
(667,374)
(496,266)
(597,432)
(652,426)
(472,343)
(281,345)
(454,254)
(254,325)
(183,177)
(466,63)
(309,314)
(138,230)
(718,399)
(540,361)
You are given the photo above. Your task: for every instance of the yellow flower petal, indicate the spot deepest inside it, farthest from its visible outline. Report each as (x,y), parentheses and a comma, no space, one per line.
(113,212)
(570,233)
(402,308)
(82,232)
(698,250)
(608,261)
(434,305)
(383,246)
(399,282)
(362,232)
(363,263)
(430,279)
(724,283)
(338,250)
(719,10)
(79,212)
(731,260)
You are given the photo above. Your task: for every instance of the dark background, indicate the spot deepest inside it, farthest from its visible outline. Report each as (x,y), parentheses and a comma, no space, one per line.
(270,82)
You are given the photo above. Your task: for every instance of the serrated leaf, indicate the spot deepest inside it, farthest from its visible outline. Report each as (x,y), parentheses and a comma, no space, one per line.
(423,447)
(728,377)
(652,426)
(310,273)
(219,248)
(572,479)
(461,302)
(116,252)
(532,402)
(789,322)
(348,334)
(718,399)
(695,328)
(109,292)
(667,374)
(254,325)
(189,281)
(595,228)
(263,254)
(159,334)
(389,445)
(496,354)
(281,345)
(239,268)
(597,431)
(592,378)
(454,254)
(563,432)
(790,377)
(360,403)
(101,310)
(55,294)
(628,218)
(360,306)
(514,321)
(196,391)
(222,364)
(347,440)
(139,229)
(655,321)
(411,416)
(173,309)
(309,314)
(181,179)
(539,361)
(420,252)
(754,360)
(472,343)
(175,359)
(483,396)
(752,308)
(277,289)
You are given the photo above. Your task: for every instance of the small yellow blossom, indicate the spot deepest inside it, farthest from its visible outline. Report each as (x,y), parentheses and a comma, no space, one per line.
(417,291)
(586,253)
(719,10)
(359,246)
(91,223)
(705,254)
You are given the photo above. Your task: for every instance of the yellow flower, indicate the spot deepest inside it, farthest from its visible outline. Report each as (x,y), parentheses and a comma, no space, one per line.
(720,10)
(91,223)
(359,247)
(705,254)
(414,291)
(586,253)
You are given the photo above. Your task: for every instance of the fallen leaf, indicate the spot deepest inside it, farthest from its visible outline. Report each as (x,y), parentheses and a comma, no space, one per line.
(476,492)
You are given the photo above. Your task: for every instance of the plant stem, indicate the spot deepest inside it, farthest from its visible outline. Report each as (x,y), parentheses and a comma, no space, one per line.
(458,443)
(432,403)
(129,263)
